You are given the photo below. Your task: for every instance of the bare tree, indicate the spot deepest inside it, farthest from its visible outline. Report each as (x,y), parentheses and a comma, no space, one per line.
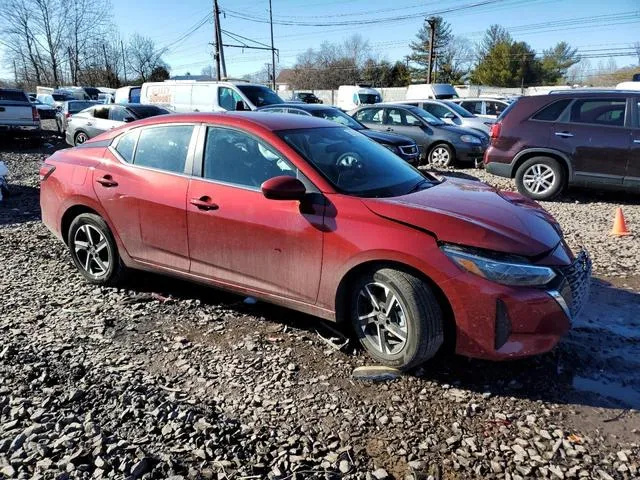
(143,56)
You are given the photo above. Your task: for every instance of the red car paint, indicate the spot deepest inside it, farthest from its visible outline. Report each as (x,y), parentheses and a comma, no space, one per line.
(297,253)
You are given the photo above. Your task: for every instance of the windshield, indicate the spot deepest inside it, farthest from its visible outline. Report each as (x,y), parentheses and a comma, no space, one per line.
(259,95)
(354,164)
(337,116)
(426,116)
(463,112)
(369,98)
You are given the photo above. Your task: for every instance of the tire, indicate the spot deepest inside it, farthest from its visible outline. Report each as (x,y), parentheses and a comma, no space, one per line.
(414,302)
(94,250)
(80,138)
(441,155)
(59,127)
(540,178)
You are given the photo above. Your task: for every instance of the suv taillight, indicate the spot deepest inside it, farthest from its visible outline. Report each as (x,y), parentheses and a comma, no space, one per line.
(34,114)
(495,131)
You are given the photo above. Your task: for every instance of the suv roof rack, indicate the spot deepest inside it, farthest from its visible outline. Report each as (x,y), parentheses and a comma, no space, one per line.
(590,90)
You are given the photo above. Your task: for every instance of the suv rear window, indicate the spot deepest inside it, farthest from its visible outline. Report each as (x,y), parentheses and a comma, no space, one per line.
(13,96)
(550,113)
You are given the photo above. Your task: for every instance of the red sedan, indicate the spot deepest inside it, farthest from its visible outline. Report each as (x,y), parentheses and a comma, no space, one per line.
(314,216)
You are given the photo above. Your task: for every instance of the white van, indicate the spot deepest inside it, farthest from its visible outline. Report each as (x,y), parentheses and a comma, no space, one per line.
(352,96)
(129,94)
(438,91)
(192,96)
(635,85)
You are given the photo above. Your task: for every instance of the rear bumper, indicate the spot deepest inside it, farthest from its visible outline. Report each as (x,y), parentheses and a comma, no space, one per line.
(499,169)
(34,129)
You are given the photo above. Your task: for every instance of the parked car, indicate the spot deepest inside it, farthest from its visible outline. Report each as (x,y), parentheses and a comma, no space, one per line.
(452,114)
(440,144)
(92,92)
(403,146)
(128,94)
(46,112)
(55,99)
(483,107)
(436,91)
(18,115)
(352,96)
(198,96)
(32,96)
(100,118)
(106,98)
(311,215)
(549,142)
(306,97)
(69,108)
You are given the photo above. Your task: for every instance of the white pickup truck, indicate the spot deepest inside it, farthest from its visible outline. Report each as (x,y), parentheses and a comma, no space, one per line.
(18,115)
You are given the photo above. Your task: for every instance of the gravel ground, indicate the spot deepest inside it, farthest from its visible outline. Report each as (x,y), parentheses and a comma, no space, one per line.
(166,380)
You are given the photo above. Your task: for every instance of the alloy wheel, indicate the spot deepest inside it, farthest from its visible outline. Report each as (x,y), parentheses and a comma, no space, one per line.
(539,178)
(81,138)
(91,249)
(440,157)
(382,318)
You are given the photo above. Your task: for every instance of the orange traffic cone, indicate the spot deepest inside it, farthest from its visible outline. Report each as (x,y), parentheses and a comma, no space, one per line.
(619,225)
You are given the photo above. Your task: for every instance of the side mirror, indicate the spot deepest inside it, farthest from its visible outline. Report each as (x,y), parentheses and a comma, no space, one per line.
(240,106)
(449,116)
(129,119)
(283,188)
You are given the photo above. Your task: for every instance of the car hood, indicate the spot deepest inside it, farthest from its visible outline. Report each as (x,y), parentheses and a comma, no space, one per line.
(458,130)
(474,214)
(390,138)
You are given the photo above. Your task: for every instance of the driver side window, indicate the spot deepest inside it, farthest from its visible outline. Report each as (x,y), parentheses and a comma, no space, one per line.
(234,157)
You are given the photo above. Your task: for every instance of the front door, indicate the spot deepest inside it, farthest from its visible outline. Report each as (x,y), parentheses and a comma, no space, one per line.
(594,134)
(239,237)
(143,188)
(405,123)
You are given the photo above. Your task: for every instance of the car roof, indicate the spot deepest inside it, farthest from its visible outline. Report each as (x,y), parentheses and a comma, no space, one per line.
(11,90)
(269,121)
(587,93)
(301,106)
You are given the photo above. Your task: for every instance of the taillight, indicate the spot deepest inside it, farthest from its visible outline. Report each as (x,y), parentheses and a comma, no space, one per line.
(495,132)
(45,171)
(34,114)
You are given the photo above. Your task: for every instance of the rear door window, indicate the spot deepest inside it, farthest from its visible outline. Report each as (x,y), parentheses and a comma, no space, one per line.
(550,113)
(473,107)
(164,148)
(101,112)
(609,112)
(370,115)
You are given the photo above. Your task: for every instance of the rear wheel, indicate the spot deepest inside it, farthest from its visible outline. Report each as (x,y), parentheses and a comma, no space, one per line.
(94,250)
(396,317)
(441,155)
(80,138)
(540,178)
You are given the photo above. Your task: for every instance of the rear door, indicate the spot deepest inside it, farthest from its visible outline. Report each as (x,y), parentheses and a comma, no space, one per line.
(15,108)
(596,134)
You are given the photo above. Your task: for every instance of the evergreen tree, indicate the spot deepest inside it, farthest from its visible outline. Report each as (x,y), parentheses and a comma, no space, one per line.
(420,47)
(556,62)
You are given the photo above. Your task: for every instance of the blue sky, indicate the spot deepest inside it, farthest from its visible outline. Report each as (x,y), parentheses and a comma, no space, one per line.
(595,27)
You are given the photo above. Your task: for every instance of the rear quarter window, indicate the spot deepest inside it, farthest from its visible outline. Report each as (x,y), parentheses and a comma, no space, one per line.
(126,145)
(550,113)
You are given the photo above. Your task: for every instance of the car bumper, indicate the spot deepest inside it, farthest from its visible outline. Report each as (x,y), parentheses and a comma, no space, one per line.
(469,153)
(47,114)
(499,322)
(499,169)
(31,130)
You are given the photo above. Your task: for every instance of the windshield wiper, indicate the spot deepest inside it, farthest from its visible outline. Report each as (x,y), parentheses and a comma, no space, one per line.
(419,186)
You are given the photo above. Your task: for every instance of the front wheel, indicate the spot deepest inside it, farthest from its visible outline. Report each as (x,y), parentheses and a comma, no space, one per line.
(441,155)
(540,178)
(396,318)
(80,138)
(94,250)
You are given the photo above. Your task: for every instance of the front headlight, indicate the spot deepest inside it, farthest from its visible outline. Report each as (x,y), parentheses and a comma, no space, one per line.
(470,139)
(394,149)
(504,272)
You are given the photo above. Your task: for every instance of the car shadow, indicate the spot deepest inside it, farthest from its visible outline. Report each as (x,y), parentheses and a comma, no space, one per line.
(20,206)
(450,173)
(597,364)
(593,195)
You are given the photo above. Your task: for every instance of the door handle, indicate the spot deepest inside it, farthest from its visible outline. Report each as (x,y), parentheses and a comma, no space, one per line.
(203,203)
(389,129)
(564,134)
(90,124)
(107,181)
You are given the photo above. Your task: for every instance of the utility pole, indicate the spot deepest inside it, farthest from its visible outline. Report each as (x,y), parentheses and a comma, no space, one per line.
(273,51)
(432,25)
(216,43)
(124,62)
(223,64)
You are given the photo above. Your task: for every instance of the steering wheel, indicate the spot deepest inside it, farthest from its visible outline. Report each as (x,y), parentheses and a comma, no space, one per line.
(349,160)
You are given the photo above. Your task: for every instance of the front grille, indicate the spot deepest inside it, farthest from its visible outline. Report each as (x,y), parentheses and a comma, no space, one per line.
(575,291)
(409,149)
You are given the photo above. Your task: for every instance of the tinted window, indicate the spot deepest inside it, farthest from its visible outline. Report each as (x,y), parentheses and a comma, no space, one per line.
(228,98)
(235,157)
(353,163)
(118,114)
(370,115)
(394,117)
(8,95)
(551,112)
(494,108)
(259,95)
(164,148)
(126,144)
(134,95)
(601,111)
(473,107)
(145,111)
(436,110)
(369,98)
(463,112)
(74,107)
(101,112)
